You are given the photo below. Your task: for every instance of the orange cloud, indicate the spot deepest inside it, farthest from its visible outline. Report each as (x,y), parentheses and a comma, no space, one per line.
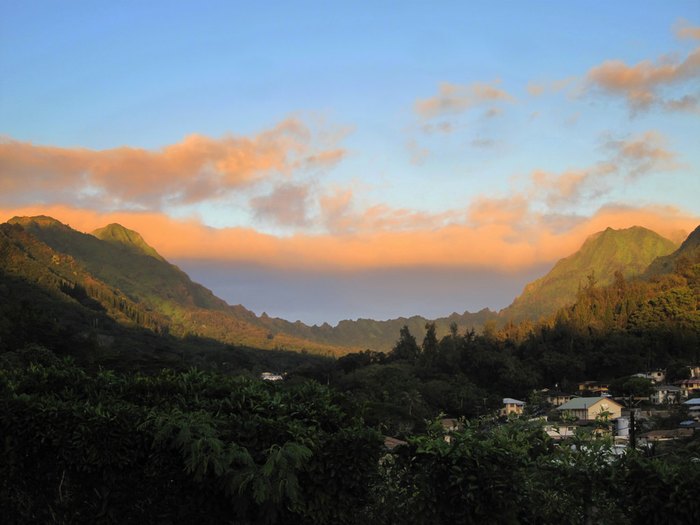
(196,169)
(454,98)
(500,243)
(684,30)
(641,83)
(631,158)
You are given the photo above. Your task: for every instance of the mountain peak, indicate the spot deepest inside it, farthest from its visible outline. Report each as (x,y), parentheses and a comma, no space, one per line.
(116,233)
(628,250)
(37,221)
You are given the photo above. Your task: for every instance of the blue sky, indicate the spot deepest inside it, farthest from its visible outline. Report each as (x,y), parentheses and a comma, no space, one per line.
(354,136)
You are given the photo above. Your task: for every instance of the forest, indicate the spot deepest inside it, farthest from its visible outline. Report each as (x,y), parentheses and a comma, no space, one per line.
(182,447)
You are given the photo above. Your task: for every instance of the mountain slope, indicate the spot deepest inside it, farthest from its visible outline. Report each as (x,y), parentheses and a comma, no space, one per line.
(378,335)
(123,259)
(126,263)
(687,253)
(629,251)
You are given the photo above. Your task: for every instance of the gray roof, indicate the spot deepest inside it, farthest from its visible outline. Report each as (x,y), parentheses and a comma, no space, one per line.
(692,402)
(511,401)
(669,388)
(581,403)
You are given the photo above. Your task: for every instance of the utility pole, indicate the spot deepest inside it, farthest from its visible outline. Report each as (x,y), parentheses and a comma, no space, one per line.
(633,430)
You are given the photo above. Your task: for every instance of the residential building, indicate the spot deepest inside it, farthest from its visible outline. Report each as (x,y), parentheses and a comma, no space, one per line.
(558,431)
(593,387)
(269,376)
(556,398)
(655,376)
(588,408)
(512,406)
(666,395)
(689,387)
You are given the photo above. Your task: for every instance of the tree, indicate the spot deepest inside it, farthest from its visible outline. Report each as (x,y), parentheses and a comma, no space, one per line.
(406,347)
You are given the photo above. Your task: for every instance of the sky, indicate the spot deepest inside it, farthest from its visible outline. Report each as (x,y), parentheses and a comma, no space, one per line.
(333,160)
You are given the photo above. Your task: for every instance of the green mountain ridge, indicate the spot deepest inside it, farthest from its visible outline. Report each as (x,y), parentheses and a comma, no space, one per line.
(122,258)
(123,261)
(160,288)
(628,251)
(687,253)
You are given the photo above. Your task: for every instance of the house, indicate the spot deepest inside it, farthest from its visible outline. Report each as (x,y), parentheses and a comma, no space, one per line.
(512,406)
(390,443)
(559,431)
(656,436)
(655,376)
(450,425)
(588,408)
(694,371)
(593,387)
(689,387)
(691,424)
(269,376)
(556,398)
(666,395)
(693,406)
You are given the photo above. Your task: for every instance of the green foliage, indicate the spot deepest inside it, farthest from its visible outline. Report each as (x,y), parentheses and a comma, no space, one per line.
(176,447)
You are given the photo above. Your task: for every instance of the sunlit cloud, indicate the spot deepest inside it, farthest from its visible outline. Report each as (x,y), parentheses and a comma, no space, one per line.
(286,205)
(453,99)
(495,241)
(642,84)
(197,169)
(684,30)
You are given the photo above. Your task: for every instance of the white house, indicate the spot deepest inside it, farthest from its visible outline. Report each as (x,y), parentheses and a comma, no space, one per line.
(666,395)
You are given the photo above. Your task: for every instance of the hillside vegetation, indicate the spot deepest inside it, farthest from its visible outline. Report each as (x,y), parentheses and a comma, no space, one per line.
(628,251)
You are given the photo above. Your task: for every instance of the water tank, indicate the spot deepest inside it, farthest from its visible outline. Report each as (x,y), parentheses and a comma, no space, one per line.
(622,427)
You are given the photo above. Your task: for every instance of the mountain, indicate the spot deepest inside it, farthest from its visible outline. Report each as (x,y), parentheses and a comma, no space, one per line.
(122,258)
(154,288)
(116,233)
(629,251)
(687,253)
(378,335)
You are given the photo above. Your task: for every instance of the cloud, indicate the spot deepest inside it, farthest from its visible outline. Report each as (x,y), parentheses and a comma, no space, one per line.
(286,205)
(499,243)
(419,154)
(628,159)
(684,30)
(445,127)
(535,89)
(642,154)
(197,169)
(482,143)
(453,99)
(642,84)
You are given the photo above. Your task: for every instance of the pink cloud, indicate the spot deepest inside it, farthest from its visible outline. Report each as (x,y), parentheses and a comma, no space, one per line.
(641,84)
(454,98)
(496,240)
(197,169)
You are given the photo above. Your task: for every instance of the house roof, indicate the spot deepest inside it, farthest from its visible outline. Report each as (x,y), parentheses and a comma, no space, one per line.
(582,403)
(667,434)
(668,388)
(511,401)
(692,402)
(392,442)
